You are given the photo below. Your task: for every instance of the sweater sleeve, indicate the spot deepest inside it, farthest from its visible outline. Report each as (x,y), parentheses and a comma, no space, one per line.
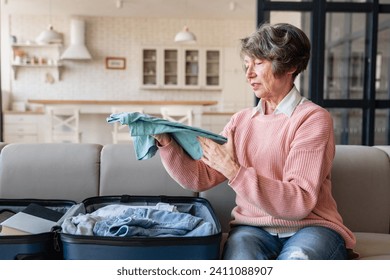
(189,173)
(292,192)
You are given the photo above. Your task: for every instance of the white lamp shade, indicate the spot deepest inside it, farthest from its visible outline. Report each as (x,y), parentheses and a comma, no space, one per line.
(49,36)
(185,36)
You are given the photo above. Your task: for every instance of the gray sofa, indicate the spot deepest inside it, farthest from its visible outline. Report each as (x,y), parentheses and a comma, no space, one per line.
(361,183)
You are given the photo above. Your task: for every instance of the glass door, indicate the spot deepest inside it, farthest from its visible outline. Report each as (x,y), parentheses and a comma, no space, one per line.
(149,69)
(212,68)
(191,68)
(170,67)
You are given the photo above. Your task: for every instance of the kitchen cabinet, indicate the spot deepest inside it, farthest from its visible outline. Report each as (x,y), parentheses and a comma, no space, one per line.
(191,71)
(181,68)
(171,68)
(33,56)
(160,68)
(149,67)
(213,68)
(23,127)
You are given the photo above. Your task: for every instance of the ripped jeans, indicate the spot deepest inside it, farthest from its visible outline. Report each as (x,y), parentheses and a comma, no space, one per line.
(309,243)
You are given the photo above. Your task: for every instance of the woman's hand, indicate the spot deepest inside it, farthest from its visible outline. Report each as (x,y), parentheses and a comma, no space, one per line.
(162,139)
(220,157)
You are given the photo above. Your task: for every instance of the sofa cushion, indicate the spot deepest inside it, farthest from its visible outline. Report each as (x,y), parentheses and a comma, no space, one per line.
(2,145)
(122,173)
(373,246)
(50,171)
(223,200)
(386,149)
(361,187)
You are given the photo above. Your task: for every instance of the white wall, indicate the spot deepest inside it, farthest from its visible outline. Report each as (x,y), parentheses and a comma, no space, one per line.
(123,37)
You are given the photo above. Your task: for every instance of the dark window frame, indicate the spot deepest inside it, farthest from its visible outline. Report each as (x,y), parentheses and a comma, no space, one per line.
(318,9)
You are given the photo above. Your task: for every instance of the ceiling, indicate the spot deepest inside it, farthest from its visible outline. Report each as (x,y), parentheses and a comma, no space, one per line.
(195,9)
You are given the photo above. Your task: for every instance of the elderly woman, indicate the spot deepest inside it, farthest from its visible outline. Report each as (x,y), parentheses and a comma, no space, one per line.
(278,160)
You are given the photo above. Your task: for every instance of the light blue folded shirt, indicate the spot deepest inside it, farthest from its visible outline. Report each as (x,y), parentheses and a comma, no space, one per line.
(143,126)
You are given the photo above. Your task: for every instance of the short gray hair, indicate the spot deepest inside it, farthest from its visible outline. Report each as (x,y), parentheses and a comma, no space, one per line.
(285,45)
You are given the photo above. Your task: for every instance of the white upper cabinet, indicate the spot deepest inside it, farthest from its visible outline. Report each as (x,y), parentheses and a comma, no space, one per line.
(171,68)
(213,68)
(149,68)
(192,71)
(181,68)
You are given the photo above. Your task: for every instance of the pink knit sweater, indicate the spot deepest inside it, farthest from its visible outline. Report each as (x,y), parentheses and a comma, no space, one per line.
(285,163)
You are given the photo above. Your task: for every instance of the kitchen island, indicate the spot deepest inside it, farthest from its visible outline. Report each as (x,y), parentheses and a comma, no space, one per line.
(93,113)
(149,106)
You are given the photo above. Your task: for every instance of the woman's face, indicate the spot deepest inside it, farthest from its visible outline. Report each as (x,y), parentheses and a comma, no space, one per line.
(263,82)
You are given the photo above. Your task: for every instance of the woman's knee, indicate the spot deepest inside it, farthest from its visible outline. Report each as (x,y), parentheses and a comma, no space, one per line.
(247,242)
(314,243)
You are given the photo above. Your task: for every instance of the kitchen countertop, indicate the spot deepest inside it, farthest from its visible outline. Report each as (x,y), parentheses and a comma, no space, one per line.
(211,113)
(124,102)
(27,112)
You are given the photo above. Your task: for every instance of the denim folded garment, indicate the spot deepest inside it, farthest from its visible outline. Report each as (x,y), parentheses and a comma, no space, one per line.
(122,220)
(153,223)
(142,127)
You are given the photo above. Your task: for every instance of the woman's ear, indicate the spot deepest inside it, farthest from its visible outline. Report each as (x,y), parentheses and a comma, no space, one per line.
(292,70)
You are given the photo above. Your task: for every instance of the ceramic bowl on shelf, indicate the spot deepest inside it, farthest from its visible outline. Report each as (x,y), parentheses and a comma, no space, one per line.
(19,106)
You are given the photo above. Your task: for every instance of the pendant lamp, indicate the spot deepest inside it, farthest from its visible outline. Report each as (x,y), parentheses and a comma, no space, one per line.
(49,35)
(185,36)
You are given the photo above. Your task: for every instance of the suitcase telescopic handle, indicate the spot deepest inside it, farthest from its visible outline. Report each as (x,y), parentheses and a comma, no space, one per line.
(125,198)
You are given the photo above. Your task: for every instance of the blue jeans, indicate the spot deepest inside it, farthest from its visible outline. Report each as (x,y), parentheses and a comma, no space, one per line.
(309,243)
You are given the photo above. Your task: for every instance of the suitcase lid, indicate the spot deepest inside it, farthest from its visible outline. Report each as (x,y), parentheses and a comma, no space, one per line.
(16,205)
(12,206)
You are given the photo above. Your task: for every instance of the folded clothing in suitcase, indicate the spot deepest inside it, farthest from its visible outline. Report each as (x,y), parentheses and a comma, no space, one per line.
(41,246)
(142,227)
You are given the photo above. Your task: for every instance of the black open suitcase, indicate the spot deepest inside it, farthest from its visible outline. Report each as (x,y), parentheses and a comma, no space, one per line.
(83,247)
(43,246)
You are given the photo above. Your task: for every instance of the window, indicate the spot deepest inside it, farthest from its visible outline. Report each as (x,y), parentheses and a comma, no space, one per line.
(349,67)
